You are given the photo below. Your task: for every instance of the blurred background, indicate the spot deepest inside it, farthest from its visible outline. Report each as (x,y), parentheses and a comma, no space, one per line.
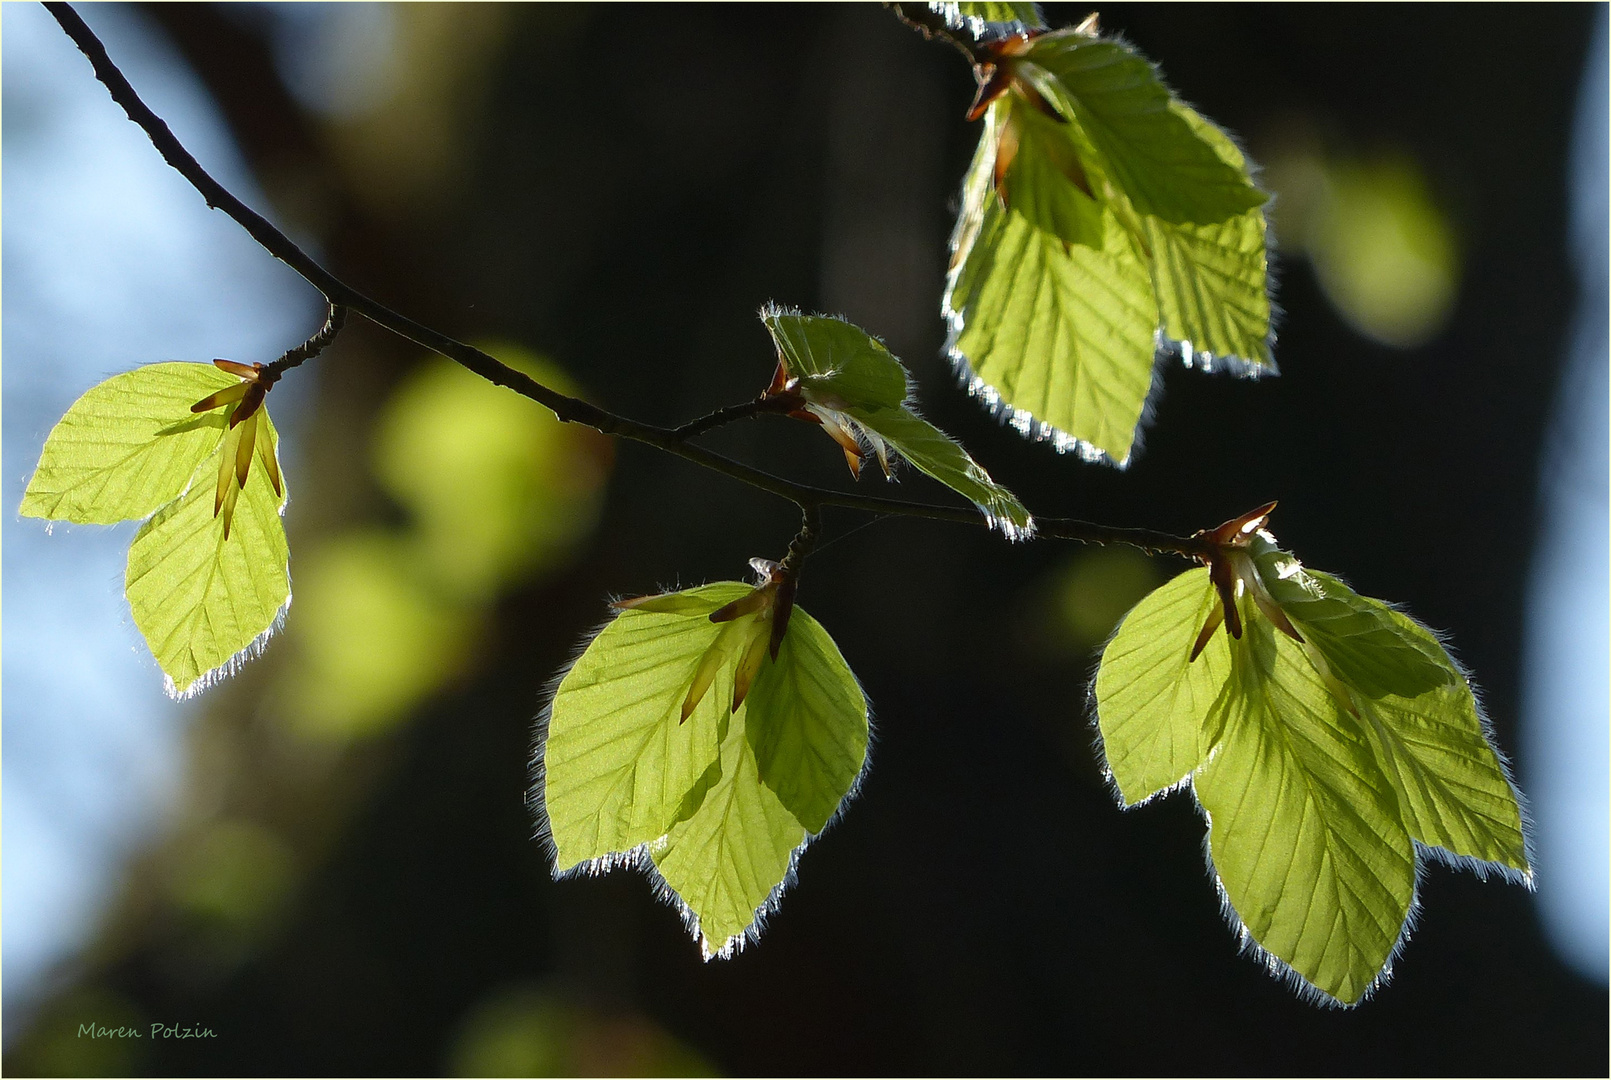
(327,861)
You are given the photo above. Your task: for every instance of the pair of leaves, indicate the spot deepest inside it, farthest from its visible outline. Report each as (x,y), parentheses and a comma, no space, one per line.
(716,806)
(854,385)
(131,448)
(1100,213)
(1323,767)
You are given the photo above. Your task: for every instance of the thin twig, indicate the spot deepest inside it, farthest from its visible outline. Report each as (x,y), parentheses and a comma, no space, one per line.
(342,296)
(727,414)
(333,322)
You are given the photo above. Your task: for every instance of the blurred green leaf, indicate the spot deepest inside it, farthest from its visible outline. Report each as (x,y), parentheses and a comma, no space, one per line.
(202,602)
(235,873)
(370,640)
(128,445)
(1090,594)
(497,487)
(525,1031)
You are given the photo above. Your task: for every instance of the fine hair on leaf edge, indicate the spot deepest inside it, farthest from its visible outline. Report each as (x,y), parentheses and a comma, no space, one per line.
(641,857)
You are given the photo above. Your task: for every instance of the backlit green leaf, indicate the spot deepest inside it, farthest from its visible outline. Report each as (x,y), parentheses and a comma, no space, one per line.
(128,445)
(1159,161)
(1212,279)
(1305,831)
(1046,183)
(1454,792)
(1060,337)
(617,761)
(1316,763)
(202,602)
(1130,221)
(807,724)
(729,861)
(1154,703)
(935,454)
(719,804)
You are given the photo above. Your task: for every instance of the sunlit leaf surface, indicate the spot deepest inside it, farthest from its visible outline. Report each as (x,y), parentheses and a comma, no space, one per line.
(1100,216)
(128,445)
(1320,764)
(202,601)
(720,800)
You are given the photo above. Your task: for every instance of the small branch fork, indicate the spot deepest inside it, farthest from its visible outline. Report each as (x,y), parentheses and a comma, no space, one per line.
(343,298)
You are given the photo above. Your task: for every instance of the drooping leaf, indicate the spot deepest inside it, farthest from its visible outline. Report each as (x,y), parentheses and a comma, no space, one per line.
(201,601)
(1316,762)
(128,445)
(807,724)
(1132,219)
(618,762)
(721,802)
(848,378)
(1305,831)
(1058,336)
(1155,703)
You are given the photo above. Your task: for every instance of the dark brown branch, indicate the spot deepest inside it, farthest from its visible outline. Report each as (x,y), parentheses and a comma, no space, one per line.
(334,321)
(727,414)
(342,296)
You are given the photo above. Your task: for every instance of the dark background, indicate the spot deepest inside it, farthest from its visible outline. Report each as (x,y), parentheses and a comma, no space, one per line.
(637,181)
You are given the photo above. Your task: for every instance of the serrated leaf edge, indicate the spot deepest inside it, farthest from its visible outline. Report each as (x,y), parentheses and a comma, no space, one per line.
(641,857)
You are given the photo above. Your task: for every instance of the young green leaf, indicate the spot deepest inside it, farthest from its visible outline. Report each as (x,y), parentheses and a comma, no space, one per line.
(676,743)
(1100,215)
(1305,832)
(202,602)
(850,383)
(807,724)
(1317,761)
(1155,702)
(616,771)
(837,362)
(1057,337)
(127,446)
(1157,159)
(729,862)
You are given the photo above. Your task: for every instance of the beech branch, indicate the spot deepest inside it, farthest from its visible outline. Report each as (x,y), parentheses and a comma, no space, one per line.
(342,298)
